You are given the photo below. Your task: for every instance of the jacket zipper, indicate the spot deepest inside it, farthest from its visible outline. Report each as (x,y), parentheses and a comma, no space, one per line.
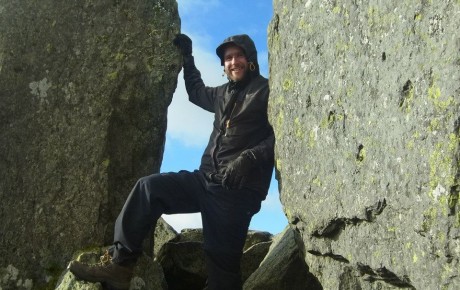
(227,123)
(219,135)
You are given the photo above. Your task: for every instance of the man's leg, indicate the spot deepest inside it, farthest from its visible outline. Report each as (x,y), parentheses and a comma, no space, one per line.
(150,198)
(226,216)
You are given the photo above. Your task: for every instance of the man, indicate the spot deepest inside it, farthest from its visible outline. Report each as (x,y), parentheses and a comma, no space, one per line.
(229,186)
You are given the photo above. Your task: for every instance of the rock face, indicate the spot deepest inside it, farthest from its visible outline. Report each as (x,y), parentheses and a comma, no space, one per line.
(84,90)
(283,266)
(365,103)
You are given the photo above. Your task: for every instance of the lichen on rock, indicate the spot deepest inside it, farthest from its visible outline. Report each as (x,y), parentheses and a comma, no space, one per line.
(364,99)
(84,91)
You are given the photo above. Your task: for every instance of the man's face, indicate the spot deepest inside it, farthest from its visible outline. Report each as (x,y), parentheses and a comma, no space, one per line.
(235,63)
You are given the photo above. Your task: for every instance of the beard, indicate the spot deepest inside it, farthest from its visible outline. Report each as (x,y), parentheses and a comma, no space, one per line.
(237,74)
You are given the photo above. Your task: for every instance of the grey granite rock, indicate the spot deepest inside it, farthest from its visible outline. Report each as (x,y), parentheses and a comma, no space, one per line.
(284,267)
(84,90)
(365,103)
(183,258)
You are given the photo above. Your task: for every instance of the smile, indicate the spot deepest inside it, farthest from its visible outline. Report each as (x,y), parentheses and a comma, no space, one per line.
(237,69)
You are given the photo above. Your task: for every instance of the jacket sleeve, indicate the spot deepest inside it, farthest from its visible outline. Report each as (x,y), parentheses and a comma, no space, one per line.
(198,93)
(262,153)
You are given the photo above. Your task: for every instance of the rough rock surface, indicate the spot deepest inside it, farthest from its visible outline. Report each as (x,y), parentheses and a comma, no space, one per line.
(162,233)
(252,257)
(365,103)
(84,90)
(183,258)
(283,267)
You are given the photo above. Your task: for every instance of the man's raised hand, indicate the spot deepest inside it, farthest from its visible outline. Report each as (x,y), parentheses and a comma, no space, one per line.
(184,43)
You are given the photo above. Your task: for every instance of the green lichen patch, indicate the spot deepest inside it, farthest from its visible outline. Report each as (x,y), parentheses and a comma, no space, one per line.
(298,128)
(288,84)
(441,170)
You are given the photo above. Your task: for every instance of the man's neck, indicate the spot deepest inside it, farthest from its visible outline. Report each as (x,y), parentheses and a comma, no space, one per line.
(238,85)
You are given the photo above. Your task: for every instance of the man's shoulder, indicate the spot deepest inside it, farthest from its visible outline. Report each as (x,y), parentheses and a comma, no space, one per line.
(260,81)
(258,88)
(262,78)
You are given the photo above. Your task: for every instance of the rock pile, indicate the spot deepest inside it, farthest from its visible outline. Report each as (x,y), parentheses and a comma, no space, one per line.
(269,263)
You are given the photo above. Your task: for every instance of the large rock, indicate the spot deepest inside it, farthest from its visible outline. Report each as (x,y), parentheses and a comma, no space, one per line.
(365,103)
(163,233)
(283,267)
(159,234)
(84,90)
(252,257)
(183,258)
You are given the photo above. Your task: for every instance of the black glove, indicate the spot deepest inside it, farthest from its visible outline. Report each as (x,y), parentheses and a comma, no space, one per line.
(184,43)
(237,171)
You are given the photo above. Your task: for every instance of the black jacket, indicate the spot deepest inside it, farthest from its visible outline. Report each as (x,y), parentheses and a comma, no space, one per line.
(244,104)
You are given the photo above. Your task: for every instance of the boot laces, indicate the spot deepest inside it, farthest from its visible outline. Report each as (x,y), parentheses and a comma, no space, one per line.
(105,259)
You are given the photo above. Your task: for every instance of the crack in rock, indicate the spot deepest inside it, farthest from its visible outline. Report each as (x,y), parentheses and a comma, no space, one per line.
(454,192)
(384,275)
(375,210)
(334,227)
(330,255)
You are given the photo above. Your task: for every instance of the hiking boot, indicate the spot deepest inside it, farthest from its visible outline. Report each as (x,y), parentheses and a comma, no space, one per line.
(106,272)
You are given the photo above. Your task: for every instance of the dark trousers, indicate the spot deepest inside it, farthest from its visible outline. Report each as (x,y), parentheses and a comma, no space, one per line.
(226,215)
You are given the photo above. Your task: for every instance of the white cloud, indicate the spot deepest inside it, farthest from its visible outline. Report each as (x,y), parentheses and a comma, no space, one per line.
(184,221)
(262,58)
(187,122)
(187,7)
(272,202)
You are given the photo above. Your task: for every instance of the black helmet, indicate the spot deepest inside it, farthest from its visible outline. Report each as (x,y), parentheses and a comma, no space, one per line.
(243,41)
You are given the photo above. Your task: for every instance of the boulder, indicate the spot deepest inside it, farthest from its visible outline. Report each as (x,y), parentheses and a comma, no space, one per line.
(365,103)
(252,258)
(84,90)
(183,258)
(255,238)
(162,233)
(284,267)
(183,265)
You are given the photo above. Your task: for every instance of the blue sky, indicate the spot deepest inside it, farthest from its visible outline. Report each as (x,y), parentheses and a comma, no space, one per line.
(208,23)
